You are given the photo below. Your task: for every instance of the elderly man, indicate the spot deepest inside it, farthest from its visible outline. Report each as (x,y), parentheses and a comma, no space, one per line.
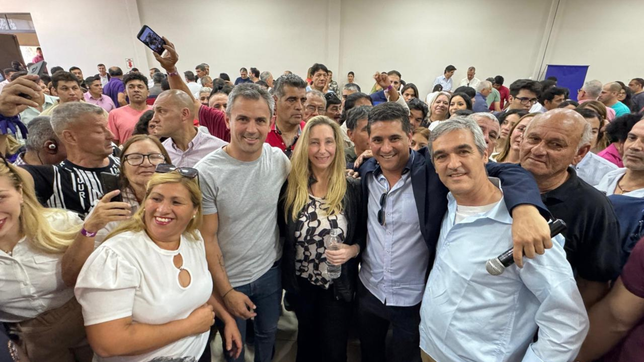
(173,118)
(483,90)
(467,314)
(628,181)
(590,92)
(551,143)
(315,104)
(267,77)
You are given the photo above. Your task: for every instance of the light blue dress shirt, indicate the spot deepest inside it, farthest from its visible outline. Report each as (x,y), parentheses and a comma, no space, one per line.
(395,260)
(446,83)
(470,315)
(593,168)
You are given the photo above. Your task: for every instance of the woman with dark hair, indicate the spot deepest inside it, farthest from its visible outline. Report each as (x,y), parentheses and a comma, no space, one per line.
(507,120)
(599,108)
(459,101)
(568,104)
(143,126)
(409,91)
(511,148)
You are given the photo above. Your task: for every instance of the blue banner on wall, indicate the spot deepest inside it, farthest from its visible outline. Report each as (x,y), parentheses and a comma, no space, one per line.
(568,76)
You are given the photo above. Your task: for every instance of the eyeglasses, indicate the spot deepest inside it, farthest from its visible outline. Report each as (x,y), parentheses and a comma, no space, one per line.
(136,159)
(188,172)
(526,100)
(314,108)
(381,212)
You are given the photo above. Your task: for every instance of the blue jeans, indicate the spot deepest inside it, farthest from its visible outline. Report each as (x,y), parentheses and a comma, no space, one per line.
(266,294)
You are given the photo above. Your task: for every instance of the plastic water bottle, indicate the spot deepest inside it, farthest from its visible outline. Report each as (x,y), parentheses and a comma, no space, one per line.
(333,242)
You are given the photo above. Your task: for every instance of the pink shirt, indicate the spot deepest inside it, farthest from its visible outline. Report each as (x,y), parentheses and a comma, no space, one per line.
(103,101)
(121,122)
(612,155)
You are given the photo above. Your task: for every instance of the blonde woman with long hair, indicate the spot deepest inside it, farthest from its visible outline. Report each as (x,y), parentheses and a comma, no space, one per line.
(39,253)
(146,291)
(317,198)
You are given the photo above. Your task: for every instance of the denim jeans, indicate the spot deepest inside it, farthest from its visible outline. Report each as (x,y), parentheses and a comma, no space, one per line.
(374,319)
(323,324)
(266,294)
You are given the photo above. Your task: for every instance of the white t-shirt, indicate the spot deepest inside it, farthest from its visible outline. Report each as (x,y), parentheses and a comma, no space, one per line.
(31,281)
(130,276)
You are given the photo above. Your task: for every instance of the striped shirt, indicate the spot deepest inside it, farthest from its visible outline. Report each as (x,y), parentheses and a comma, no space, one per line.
(69,186)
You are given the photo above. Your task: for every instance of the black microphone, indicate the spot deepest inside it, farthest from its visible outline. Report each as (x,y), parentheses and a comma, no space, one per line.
(497,265)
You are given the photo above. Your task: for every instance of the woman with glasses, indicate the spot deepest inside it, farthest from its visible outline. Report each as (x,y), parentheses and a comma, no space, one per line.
(316,200)
(140,156)
(38,249)
(511,148)
(146,291)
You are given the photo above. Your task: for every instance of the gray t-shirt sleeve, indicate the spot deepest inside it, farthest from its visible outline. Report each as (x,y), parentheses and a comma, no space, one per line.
(208,190)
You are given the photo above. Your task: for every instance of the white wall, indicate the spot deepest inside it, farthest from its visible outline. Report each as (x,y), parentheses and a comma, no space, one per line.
(605,35)
(417,37)
(84,32)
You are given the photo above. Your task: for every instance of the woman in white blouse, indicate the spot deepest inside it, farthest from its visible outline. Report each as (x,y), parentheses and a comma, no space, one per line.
(144,291)
(41,252)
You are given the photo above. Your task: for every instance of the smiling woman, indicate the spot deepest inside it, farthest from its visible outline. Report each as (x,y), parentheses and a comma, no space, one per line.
(316,201)
(145,290)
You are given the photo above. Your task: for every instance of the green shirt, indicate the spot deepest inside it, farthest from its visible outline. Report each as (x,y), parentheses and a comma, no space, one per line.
(495,96)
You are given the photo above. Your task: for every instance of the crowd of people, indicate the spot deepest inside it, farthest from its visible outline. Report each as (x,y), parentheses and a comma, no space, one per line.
(374,212)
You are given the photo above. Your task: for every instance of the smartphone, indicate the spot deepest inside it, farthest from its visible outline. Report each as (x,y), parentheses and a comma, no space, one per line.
(110,183)
(37,68)
(153,40)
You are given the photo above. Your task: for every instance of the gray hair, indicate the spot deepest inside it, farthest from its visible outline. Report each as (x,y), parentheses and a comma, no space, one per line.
(69,113)
(490,116)
(483,85)
(351,87)
(158,78)
(265,75)
(40,131)
(356,114)
(205,90)
(316,93)
(593,88)
(250,91)
(455,124)
(291,80)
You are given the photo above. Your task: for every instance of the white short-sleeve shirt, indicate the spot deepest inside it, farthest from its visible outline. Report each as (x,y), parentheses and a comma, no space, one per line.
(31,281)
(129,275)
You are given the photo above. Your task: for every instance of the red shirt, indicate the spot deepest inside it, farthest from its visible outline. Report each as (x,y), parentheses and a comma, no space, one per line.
(632,347)
(274,138)
(215,121)
(505,95)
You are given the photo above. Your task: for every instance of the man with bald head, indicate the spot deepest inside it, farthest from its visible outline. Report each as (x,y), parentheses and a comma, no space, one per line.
(551,143)
(608,96)
(174,114)
(591,91)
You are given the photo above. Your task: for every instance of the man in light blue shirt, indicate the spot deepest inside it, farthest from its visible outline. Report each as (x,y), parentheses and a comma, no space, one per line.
(446,79)
(470,315)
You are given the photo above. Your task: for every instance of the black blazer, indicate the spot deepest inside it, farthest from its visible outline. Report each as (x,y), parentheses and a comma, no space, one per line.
(345,286)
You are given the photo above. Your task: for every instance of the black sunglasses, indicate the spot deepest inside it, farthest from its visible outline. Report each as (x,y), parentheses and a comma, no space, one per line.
(381,212)
(188,172)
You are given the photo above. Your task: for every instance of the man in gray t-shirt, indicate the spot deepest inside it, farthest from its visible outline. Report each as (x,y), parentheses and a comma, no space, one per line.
(241,184)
